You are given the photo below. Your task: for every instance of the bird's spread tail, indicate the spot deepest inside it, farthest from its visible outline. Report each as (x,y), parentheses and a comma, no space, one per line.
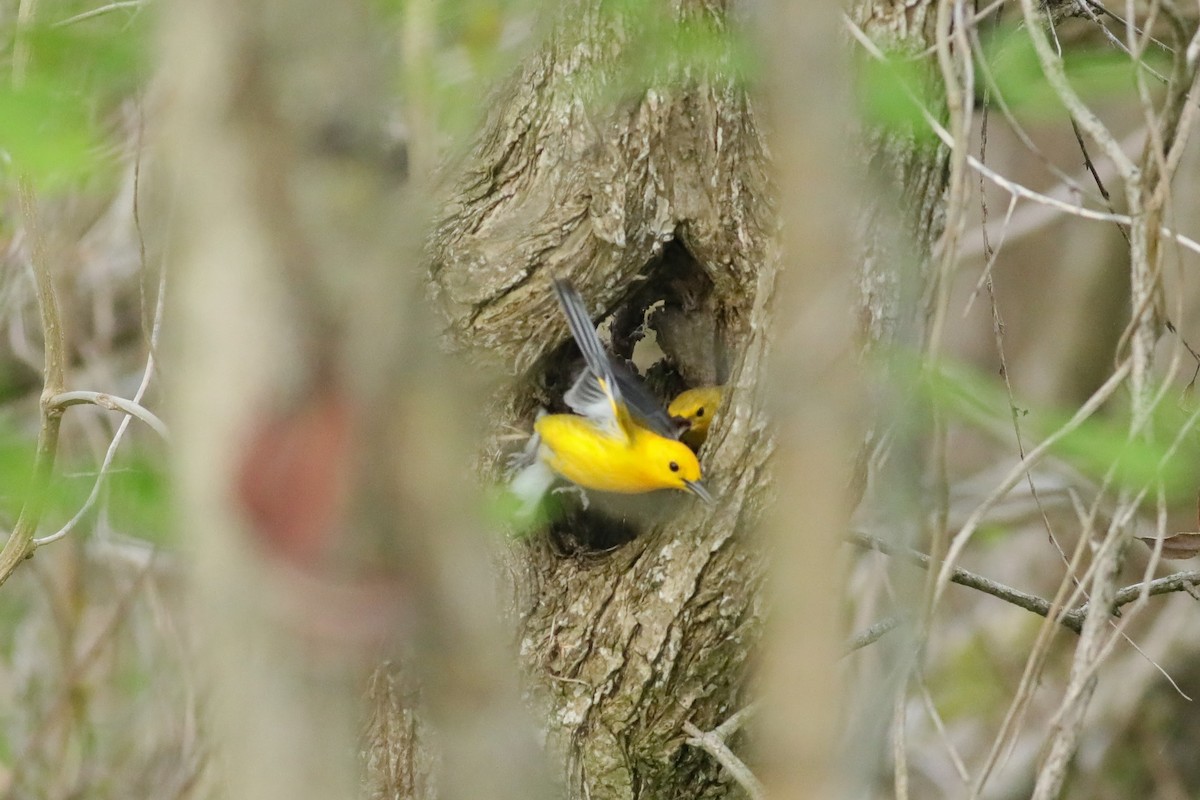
(529,476)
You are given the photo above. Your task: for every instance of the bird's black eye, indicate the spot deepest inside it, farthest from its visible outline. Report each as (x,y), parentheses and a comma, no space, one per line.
(699,413)
(674,466)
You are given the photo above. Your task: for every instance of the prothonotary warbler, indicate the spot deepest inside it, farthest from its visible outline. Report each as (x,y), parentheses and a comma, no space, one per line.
(618,440)
(695,408)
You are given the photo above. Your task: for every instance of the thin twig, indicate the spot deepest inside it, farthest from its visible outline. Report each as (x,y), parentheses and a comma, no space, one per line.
(1031,219)
(1030,602)
(715,746)
(900,742)
(94,494)
(76,669)
(1010,186)
(1068,589)
(871,634)
(1176,582)
(106,464)
(1052,68)
(112,403)
(95,12)
(20,544)
(734,724)
(147,372)
(958,78)
(1090,4)
(993,93)
(939,725)
(1093,403)
(1067,722)
(1072,620)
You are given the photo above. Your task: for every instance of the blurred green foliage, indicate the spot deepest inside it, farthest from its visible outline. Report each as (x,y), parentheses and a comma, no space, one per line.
(1095,74)
(60,85)
(502,510)
(135,496)
(140,500)
(136,499)
(1100,447)
(16,469)
(464,47)
(668,48)
(47,134)
(893,92)
(450,50)
(992,676)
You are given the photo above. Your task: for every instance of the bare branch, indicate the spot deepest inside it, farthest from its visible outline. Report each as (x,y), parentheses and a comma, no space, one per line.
(112,403)
(95,12)
(20,544)
(1052,68)
(77,667)
(1024,465)
(1031,219)
(715,746)
(1072,620)
(1030,602)
(132,408)
(1177,582)
(1010,186)
(900,743)
(871,634)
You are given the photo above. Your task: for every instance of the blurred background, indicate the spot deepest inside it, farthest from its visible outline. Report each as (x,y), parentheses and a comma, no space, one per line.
(99,697)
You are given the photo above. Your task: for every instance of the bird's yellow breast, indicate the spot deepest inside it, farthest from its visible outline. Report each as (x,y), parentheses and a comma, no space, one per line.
(574,448)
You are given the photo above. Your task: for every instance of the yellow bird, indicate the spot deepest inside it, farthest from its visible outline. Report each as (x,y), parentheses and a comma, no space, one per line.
(618,440)
(696,407)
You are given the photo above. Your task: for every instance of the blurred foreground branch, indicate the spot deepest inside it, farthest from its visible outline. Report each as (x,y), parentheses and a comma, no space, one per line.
(321,439)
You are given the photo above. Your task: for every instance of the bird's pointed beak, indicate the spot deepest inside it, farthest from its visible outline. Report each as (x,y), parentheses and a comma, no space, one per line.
(697,488)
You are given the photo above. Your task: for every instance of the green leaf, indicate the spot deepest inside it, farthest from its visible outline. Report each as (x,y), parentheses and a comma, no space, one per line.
(892,93)
(53,125)
(47,134)
(103,57)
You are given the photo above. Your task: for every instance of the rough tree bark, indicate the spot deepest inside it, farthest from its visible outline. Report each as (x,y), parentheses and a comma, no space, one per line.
(656,193)
(646,193)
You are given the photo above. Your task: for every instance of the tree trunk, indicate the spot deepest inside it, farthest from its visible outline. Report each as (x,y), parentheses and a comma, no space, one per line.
(656,193)
(655,190)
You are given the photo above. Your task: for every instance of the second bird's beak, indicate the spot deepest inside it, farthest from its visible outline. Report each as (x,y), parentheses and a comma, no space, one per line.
(697,488)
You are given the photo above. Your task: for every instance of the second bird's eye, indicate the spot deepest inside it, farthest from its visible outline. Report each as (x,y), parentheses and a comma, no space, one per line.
(674,467)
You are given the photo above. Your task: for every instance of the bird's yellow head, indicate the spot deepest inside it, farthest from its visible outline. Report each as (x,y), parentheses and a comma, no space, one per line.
(696,407)
(673,465)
